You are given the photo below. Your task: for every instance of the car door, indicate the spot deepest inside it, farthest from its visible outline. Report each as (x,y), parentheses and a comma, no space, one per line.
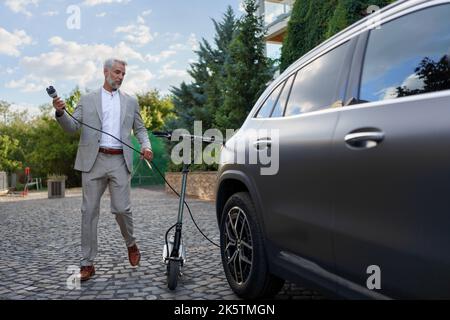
(392,147)
(297,198)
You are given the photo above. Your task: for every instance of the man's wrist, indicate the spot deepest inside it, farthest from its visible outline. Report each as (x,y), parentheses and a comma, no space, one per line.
(59,113)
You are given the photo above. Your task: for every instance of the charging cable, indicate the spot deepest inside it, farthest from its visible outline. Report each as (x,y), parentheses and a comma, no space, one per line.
(52,93)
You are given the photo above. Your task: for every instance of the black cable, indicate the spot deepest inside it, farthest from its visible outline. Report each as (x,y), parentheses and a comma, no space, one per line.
(160,173)
(99,130)
(165,238)
(189,209)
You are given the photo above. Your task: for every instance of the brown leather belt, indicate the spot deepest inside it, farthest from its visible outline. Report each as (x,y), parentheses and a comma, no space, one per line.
(110,151)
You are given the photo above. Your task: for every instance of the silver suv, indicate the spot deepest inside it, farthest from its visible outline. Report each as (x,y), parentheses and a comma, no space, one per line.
(358,201)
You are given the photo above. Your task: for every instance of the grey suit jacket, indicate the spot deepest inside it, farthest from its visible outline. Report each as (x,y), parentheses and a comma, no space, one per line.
(89,111)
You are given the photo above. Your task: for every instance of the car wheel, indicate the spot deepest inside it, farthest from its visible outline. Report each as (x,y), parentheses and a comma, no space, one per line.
(242,249)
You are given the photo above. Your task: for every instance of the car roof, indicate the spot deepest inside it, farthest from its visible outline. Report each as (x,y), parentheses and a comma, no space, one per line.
(385,14)
(393,10)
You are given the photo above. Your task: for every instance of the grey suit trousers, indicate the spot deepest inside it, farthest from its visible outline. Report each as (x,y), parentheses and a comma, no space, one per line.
(111,171)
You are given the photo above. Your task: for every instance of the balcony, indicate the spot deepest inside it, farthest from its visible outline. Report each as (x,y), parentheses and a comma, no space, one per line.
(276,16)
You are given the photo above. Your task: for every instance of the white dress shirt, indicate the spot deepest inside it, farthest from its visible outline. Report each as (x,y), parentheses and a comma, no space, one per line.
(111,119)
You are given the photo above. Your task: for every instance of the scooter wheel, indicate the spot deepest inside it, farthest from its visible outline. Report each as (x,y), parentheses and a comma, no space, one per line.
(173,269)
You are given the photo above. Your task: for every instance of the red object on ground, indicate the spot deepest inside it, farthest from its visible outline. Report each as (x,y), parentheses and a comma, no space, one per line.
(27,174)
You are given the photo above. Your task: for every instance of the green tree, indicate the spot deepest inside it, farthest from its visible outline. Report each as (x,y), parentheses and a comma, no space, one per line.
(4,111)
(9,149)
(215,93)
(189,99)
(155,110)
(184,102)
(51,150)
(247,70)
(348,12)
(306,28)
(14,131)
(200,99)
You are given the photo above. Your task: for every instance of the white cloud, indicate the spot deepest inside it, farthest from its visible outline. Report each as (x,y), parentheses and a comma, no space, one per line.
(138,34)
(101,15)
(171,36)
(92,3)
(191,44)
(146,12)
(50,13)
(10,42)
(7,71)
(70,61)
(20,6)
(178,46)
(241,7)
(140,20)
(169,76)
(412,82)
(160,56)
(168,71)
(29,83)
(137,80)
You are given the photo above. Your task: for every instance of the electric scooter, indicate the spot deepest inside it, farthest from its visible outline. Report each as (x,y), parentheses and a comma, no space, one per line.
(174,253)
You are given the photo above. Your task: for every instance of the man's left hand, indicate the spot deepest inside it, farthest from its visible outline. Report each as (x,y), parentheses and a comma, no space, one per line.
(147,154)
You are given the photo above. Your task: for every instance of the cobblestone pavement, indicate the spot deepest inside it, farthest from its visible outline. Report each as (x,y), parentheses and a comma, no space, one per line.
(40,242)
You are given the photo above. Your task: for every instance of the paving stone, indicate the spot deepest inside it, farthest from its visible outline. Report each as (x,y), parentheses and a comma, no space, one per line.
(41,240)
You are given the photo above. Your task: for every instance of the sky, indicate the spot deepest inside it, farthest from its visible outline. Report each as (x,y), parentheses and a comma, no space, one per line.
(64,43)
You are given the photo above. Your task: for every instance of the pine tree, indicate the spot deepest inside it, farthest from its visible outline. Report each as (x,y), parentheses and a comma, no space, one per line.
(225,31)
(247,69)
(184,102)
(199,100)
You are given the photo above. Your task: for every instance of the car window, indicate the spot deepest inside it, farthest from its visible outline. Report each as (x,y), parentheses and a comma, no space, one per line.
(266,108)
(408,56)
(316,84)
(281,102)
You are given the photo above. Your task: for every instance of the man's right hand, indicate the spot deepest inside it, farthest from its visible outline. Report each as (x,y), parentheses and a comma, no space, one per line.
(59,105)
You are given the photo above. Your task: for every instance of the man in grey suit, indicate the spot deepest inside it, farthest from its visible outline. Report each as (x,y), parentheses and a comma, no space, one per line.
(103,160)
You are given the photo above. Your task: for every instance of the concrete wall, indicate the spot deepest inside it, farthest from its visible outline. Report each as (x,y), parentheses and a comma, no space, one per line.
(199,184)
(3,181)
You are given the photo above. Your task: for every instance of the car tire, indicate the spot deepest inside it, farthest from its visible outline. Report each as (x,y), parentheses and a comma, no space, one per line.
(242,249)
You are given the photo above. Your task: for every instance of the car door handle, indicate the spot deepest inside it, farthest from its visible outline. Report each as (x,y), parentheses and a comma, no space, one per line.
(364,140)
(261,144)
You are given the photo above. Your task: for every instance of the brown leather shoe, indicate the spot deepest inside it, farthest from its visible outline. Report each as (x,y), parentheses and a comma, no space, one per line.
(86,272)
(134,256)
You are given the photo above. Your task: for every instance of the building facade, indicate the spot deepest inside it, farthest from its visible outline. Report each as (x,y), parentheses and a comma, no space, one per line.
(276,15)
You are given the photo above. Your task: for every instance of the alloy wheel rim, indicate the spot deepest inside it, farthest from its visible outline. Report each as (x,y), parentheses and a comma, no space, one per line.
(238,245)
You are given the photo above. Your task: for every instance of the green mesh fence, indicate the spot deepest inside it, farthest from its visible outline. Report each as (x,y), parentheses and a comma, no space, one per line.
(142,175)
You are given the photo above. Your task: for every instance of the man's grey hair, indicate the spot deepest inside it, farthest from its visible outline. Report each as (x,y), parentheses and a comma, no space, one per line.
(110,62)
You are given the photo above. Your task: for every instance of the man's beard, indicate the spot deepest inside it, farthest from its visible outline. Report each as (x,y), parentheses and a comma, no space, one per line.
(114,85)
